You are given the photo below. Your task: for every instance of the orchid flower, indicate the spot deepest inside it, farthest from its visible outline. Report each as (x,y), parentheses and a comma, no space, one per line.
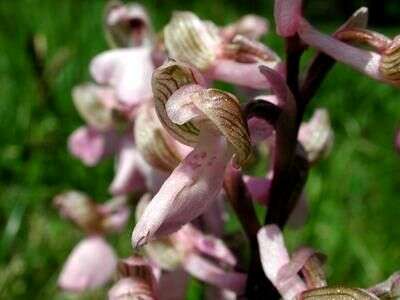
(380,64)
(91,217)
(203,256)
(107,133)
(99,138)
(283,271)
(207,119)
(127,25)
(137,281)
(191,40)
(92,262)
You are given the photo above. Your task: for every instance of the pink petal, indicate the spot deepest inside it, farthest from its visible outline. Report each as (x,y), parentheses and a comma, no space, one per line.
(90,265)
(208,272)
(287,15)
(129,71)
(187,193)
(240,73)
(91,146)
(274,258)
(129,176)
(364,61)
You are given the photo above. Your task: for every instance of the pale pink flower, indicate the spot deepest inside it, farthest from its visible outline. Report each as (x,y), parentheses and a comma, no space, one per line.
(274,259)
(91,217)
(197,117)
(212,55)
(380,64)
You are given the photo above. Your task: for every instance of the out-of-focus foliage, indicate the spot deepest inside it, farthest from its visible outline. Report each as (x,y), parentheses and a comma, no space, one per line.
(353,194)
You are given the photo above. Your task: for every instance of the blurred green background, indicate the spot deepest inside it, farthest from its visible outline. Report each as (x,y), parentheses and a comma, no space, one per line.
(354,194)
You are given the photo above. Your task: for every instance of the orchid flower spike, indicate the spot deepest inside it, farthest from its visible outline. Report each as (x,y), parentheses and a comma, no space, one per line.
(209,120)
(90,265)
(137,281)
(203,256)
(127,25)
(191,40)
(317,136)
